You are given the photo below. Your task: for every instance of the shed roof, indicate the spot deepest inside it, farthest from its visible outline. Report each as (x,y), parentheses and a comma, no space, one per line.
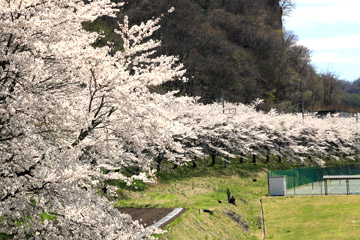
(339,177)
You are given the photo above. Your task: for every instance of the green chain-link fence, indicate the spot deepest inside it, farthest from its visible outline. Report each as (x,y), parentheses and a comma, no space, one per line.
(301,176)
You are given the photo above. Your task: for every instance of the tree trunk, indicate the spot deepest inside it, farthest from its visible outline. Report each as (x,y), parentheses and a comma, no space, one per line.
(213,159)
(175,166)
(267,157)
(241,158)
(158,163)
(226,161)
(194,162)
(279,156)
(254,159)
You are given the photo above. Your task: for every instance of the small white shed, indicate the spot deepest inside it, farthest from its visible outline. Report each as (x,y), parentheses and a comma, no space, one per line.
(277,186)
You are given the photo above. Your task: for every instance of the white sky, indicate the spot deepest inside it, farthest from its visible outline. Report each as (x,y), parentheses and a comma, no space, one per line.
(331,29)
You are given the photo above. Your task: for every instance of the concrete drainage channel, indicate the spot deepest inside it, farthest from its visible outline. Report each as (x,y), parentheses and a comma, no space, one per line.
(173,214)
(153,217)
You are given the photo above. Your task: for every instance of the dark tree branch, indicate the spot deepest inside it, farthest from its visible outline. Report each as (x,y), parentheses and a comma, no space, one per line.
(27,172)
(11,137)
(9,195)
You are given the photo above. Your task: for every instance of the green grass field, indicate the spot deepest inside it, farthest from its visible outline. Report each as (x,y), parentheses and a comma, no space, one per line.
(301,217)
(312,217)
(196,189)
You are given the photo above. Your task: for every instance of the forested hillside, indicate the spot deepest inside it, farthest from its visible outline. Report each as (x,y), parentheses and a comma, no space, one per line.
(350,94)
(239,48)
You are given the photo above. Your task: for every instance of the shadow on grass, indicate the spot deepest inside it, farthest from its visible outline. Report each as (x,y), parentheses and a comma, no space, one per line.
(245,169)
(136,185)
(4,236)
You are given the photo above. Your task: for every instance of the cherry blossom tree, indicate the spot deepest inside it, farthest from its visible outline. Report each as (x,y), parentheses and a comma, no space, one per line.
(251,132)
(72,116)
(70,113)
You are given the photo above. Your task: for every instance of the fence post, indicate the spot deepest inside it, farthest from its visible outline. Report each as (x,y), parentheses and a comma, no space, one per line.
(320,187)
(294,182)
(325,185)
(314,176)
(268,176)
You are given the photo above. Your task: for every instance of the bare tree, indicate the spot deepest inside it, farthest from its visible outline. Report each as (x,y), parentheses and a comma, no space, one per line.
(331,88)
(287,6)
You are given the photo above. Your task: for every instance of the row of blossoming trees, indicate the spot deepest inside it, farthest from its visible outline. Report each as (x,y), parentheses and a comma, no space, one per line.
(68,111)
(250,132)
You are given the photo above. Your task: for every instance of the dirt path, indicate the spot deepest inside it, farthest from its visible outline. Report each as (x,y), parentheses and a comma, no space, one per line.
(149,216)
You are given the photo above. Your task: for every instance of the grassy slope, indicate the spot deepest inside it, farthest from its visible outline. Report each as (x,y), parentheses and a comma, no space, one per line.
(312,217)
(300,217)
(196,189)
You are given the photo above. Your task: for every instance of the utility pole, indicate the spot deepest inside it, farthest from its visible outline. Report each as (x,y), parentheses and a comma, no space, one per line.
(223,103)
(302,107)
(302,100)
